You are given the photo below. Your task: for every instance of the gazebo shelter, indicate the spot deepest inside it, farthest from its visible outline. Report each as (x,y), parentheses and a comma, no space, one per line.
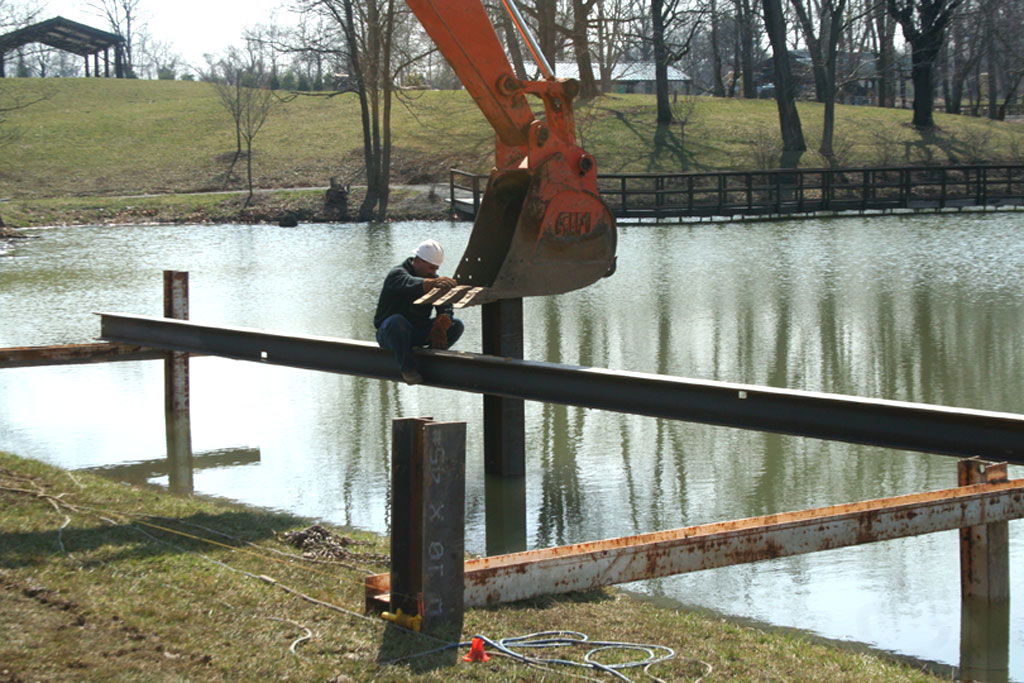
(73,37)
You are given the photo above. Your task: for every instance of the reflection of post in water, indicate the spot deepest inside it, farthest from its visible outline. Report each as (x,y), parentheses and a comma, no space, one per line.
(146,470)
(985,586)
(176,396)
(984,640)
(505,502)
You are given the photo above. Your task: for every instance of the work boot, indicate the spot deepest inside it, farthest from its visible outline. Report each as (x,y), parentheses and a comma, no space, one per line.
(412,377)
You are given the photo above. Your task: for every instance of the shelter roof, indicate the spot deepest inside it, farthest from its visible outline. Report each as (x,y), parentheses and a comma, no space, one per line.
(62,34)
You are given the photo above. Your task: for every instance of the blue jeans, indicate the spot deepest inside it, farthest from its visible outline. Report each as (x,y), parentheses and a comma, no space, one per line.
(398,335)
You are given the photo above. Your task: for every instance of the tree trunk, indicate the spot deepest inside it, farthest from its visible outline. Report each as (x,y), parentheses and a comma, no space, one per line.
(512,44)
(924,24)
(717,87)
(745,29)
(993,68)
(793,145)
(581,46)
(923,76)
(814,47)
(886,57)
(664,108)
(547,29)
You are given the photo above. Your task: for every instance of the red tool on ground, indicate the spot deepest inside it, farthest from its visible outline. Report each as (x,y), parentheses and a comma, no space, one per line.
(542,227)
(476,651)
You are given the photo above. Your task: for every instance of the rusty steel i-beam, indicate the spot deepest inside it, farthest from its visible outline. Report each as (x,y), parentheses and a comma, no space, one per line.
(583,566)
(892,424)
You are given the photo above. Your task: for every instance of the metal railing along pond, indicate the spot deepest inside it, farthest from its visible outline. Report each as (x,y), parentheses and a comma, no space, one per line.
(789,191)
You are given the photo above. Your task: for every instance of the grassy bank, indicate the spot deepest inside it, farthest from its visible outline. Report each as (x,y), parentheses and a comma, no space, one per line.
(102,581)
(268,206)
(107,136)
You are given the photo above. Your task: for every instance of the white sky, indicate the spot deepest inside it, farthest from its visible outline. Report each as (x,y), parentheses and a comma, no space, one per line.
(191,27)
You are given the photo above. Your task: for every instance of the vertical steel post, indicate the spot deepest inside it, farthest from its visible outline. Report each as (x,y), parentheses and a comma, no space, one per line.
(428,477)
(504,418)
(984,549)
(176,391)
(984,585)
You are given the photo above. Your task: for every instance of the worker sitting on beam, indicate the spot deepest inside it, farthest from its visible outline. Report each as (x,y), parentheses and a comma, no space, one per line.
(403,325)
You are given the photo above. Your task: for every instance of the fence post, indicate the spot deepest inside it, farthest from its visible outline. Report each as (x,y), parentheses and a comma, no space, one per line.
(177,420)
(451,193)
(428,484)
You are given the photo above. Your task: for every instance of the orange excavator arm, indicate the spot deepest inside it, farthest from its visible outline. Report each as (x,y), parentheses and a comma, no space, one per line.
(542,227)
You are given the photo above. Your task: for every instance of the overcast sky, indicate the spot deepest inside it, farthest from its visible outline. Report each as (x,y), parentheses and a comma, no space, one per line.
(191,27)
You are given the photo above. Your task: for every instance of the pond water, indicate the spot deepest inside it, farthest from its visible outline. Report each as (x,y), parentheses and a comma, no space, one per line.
(918,308)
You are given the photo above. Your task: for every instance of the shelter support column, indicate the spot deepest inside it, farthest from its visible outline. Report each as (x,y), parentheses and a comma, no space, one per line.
(176,390)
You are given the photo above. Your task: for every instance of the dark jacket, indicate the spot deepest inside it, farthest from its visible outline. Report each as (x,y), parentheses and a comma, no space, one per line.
(401,288)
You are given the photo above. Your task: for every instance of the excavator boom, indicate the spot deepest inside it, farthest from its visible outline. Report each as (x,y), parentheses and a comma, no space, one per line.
(542,227)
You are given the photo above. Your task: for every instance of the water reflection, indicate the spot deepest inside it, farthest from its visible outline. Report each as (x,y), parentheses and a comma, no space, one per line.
(922,309)
(984,640)
(176,470)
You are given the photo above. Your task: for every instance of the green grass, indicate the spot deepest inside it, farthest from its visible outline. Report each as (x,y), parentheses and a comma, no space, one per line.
(108,136)
(104,581)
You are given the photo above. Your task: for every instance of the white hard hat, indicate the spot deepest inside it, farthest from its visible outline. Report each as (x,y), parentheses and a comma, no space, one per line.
(431,252)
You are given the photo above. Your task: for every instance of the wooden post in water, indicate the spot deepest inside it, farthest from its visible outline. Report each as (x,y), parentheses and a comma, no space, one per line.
(428,491)
(176,390)
(984,585)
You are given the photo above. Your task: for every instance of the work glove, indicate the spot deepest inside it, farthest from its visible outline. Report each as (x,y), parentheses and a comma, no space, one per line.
(439,332)
(444,283)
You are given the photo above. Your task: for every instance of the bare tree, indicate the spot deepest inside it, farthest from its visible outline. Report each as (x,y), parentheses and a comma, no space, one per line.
(362,35)
(243,89)
(158,59)
(614,32)
(823,46)
(123,18)
(1008,46)
(924,24)
(746,21)
(580,34)
(673,28)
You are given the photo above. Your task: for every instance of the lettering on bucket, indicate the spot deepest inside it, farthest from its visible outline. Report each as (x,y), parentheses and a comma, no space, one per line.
(571,224)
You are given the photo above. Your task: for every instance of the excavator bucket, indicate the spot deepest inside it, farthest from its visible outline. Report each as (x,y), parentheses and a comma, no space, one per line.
(537,232)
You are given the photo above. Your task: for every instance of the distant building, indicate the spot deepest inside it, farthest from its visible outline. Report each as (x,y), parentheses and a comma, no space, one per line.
(631,77)
(857,72)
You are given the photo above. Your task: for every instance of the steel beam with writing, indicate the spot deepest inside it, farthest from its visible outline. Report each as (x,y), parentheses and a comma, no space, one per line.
(427,523)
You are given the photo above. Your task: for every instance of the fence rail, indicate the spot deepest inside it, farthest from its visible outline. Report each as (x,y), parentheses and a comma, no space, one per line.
(796,191)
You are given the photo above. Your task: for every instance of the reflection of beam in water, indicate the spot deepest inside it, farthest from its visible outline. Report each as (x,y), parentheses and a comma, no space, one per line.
(144,470)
